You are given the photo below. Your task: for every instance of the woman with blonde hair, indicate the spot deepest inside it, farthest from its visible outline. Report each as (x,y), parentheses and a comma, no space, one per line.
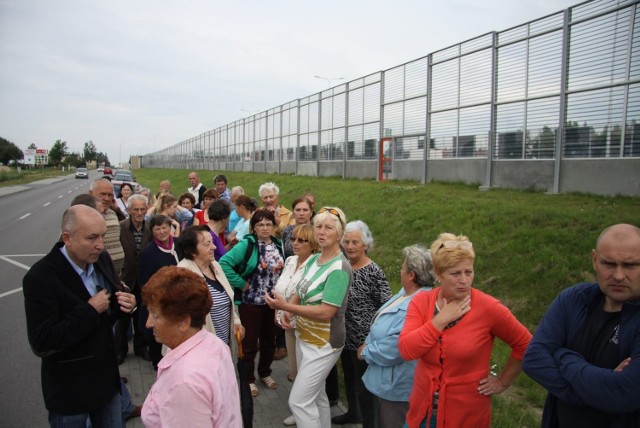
(450,331)
(167,205)
(304,246)
(318,306)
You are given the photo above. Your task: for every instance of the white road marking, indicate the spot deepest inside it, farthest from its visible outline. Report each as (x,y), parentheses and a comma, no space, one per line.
(8,293)
(60,196)
(13,262)
(47,204)
(25,216)
(70,191)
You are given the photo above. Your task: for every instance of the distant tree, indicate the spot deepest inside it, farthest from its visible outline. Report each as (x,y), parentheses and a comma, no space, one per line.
(74,159)
(102,157)
(57,152)
(32,146)
(9,152)
(90,151)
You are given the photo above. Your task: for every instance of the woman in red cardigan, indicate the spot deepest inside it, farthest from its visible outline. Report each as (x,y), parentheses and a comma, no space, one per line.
(450,330)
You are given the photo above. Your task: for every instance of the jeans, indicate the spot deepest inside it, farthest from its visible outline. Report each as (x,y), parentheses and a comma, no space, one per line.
(107,416)
(126,406)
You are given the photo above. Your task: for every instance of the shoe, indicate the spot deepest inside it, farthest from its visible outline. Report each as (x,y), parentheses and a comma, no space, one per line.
(254,389)
(280,353)
(344,419)
(270,382)
(289,421)
(135,414)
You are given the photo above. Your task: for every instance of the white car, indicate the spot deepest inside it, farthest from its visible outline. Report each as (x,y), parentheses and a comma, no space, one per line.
(82,173)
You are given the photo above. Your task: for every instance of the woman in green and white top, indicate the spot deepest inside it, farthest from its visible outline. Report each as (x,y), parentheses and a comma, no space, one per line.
(318,308)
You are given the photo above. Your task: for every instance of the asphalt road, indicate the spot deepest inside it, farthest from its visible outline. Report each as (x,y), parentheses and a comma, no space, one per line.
(29,228)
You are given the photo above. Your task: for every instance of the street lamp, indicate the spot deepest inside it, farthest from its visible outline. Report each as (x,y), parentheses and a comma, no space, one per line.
(329,79)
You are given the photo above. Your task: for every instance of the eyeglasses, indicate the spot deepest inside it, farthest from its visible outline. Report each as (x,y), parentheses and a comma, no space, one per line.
(264,225)
(450,244)
(299,240)
(332,211)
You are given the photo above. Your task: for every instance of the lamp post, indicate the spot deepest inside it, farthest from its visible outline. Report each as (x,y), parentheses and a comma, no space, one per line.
(329,79)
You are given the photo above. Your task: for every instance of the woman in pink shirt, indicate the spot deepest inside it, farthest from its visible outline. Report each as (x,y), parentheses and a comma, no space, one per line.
(196,384)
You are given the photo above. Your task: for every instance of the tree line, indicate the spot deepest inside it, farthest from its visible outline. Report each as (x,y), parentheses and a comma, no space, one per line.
(59,154)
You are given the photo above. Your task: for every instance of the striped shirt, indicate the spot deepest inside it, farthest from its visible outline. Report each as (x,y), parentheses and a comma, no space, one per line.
(324,283)
(220,310)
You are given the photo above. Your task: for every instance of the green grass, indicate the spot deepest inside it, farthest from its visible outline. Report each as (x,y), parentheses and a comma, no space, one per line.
(529,245)
(12,178)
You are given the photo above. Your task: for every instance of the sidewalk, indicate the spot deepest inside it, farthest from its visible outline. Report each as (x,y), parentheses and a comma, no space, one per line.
(269,408)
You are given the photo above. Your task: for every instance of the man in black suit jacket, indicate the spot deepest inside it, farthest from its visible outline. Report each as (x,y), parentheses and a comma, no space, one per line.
(72,298)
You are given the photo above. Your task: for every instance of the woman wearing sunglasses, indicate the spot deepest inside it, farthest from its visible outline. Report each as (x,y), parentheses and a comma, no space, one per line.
(304,246)
(450,331)
(318,306)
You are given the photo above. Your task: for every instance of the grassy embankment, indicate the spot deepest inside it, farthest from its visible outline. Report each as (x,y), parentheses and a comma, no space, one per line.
(529,245)
(10,176)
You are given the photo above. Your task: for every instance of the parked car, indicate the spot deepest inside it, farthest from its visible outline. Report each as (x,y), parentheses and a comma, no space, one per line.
(101,169)
(124,175)
(82,173)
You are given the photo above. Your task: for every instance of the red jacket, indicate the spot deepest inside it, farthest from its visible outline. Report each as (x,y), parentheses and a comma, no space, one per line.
(465,352)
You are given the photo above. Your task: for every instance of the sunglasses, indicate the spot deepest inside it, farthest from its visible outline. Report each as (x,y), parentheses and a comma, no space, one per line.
(299,240)
(450,244)
(332,211)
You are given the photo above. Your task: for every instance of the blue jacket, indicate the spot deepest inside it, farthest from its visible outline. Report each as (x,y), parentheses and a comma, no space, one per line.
(389,376)
(568,376)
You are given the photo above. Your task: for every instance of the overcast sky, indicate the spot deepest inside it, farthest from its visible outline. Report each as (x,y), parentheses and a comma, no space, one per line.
(137,76)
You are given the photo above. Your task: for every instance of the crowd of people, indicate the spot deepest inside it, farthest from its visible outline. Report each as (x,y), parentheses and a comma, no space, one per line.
(207,281)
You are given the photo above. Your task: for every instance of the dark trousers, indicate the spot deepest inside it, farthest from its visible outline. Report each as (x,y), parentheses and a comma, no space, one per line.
(121,338)
(353,369)
(259,325)
(280,341)
(331,386)
(155,348)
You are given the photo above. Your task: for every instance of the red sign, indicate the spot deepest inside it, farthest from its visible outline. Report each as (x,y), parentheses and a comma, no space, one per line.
(41,151)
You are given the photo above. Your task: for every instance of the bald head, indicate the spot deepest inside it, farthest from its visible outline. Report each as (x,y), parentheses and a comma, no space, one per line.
(616,261)
(77,214)
(83,230)
(618,232)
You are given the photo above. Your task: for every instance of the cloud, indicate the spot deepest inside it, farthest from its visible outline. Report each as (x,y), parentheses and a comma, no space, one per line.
(130,75)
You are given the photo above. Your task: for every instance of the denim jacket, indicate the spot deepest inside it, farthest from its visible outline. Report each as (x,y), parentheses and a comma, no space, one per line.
(389,376)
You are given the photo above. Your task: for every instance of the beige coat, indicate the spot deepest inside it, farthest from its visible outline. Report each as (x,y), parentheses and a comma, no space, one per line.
(235,317)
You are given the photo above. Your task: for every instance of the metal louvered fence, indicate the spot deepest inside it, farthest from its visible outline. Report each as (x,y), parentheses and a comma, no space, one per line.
(553,104)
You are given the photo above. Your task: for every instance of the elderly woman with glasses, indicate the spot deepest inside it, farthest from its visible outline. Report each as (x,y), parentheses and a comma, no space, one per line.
(318,306)
(254,265)
(388,377)
(196,383)
(450,331)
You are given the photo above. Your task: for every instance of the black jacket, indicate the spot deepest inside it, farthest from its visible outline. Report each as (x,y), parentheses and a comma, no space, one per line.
(79,368)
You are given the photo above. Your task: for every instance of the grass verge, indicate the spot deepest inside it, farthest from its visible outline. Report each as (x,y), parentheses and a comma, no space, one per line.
(10,176)
(529,245)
